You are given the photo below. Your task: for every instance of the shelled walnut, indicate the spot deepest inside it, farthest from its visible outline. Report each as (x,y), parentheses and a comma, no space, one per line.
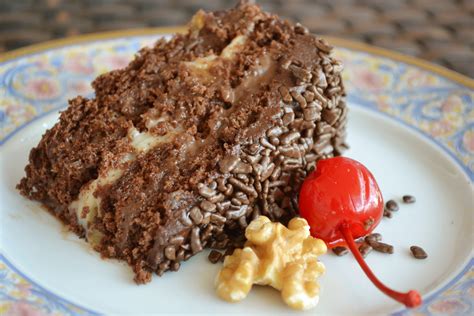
(284,258)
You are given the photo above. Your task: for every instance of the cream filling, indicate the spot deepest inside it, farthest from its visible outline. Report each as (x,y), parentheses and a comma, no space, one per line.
(87,205)
(203,64)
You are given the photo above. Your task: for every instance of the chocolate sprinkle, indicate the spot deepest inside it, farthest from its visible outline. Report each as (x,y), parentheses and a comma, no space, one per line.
(391,206)
(214,256)
(340,251)
(418,252)
(409,199)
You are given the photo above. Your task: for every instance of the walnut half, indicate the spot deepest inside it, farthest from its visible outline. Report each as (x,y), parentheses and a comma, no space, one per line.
(284,258)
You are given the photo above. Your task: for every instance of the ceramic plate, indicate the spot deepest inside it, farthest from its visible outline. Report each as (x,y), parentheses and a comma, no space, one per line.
(410,122)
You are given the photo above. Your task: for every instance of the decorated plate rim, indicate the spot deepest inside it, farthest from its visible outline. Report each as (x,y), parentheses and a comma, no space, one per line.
(336,41)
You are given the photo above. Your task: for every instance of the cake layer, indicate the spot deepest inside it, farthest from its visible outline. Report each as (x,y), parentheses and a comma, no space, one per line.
(195,137)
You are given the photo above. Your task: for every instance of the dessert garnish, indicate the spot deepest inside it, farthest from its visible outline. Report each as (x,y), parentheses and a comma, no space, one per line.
(284,258)
(341,202)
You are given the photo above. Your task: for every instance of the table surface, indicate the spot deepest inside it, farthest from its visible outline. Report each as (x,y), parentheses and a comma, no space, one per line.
(440,31)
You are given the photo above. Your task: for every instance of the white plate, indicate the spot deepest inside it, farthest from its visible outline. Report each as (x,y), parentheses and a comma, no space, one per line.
(402,162)
(396,129)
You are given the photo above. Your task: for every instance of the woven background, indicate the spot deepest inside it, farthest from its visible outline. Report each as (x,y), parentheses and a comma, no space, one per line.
(440,31)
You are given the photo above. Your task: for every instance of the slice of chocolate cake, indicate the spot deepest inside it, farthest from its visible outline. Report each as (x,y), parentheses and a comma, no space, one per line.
(194,138)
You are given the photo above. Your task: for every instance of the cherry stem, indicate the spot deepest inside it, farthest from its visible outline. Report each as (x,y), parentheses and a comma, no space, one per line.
(410,299)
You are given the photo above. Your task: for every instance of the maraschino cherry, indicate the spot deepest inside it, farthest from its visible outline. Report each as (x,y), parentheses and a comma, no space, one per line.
(342,201)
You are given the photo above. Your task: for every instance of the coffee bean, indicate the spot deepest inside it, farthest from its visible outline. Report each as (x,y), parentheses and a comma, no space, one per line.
(340,251)
(382,247)
(418,252)
(214,256)
(391,206)
(365,249)
(409,199)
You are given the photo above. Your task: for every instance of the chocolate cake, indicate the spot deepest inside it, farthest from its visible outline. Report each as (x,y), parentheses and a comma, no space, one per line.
(197,136)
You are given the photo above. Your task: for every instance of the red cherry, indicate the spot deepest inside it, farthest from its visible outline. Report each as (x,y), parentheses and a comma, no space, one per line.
(342,201)
(340,190)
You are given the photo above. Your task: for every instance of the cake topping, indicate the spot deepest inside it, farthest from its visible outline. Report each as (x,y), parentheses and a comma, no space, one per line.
(284,258)
(337,200)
